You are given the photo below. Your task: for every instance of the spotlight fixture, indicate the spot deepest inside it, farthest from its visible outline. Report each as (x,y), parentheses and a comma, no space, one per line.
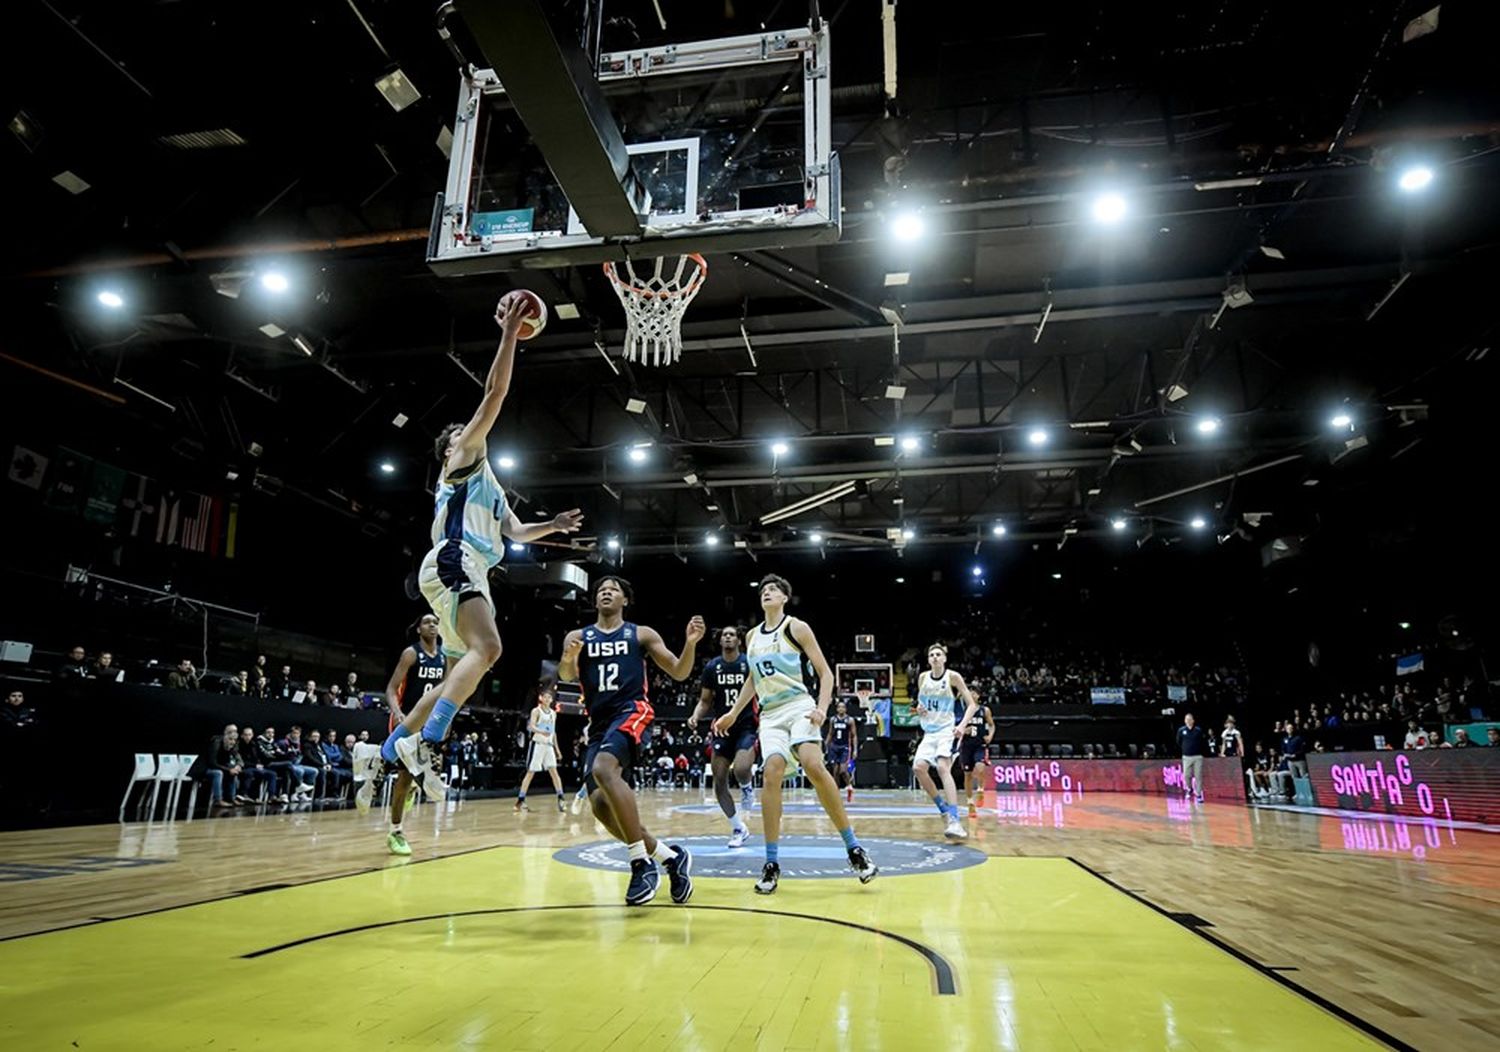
(1057,577)
(712,540)
(506,463)
(815,537)
(111,299)
(1415,178)
(910,443)
(1110,208)
(387,467)
(977,571)
(908,533)
(908,226)
(1118,525)
(1207,425)
(901,580)
(1342,421)
(779,448)
(1199,522)
(639,452)
(998,529)
(517,546)
(613,544)
(1037,436)
(274,281)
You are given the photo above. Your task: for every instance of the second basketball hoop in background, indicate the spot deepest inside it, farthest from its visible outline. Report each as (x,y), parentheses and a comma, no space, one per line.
(655,295)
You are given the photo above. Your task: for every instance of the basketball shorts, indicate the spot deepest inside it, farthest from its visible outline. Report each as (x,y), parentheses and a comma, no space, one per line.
(626,734)
(740,737)
(785,727)
(972,752)
(935,746)
(543,757)
(838,757)
(451,574)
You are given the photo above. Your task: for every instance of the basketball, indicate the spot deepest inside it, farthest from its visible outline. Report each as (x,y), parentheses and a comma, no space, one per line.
(536,317)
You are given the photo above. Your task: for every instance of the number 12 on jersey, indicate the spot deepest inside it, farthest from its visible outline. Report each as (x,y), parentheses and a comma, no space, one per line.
(609,677)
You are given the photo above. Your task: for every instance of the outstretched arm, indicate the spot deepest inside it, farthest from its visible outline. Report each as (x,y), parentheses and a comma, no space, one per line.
(562,522)
(677,667)
(469,444)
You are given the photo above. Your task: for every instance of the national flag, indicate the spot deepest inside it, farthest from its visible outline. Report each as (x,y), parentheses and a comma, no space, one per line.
(106,482)
(197,517)
(231,529)
(27,467)
(138,506)
(69,477)
(168,512)
(1405,666)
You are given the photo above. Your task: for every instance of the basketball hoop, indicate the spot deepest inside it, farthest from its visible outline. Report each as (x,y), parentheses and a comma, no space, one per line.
(864,698)
(654,303)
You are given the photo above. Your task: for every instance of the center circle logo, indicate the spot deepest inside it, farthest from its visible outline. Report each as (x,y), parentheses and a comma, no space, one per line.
(801,857)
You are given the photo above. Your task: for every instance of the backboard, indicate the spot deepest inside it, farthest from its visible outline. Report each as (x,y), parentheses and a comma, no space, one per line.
(729,137)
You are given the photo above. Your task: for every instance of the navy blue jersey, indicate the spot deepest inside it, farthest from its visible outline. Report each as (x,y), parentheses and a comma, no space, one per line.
(725,678)
(839,731)
(426,671)
(977,727)
(611,672)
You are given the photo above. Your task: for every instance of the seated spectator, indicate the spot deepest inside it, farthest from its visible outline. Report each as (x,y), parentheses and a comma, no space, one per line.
(315,756)
(104,666)
(350,741)
(16,716)
(351,686)
(259,687)
(74,666)
(262,753)
(238,684)
(183,677)
(341,759)
(283,687)
(224,766)
(288,751)
(255,773)
(334,697)
(310,692)
(1416,737)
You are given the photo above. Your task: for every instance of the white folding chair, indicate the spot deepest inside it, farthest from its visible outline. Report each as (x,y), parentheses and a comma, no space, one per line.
(166,771)
(145,771)
(185,763)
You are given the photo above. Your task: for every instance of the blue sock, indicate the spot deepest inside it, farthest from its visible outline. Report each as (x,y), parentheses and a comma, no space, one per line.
(436,727)
(942,805)
(772,851)
(388,747)
(849,839)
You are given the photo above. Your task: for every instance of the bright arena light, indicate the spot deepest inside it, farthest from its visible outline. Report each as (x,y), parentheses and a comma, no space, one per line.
(274,281)
(517,546)
(1110,207)
(908,533)
(111,299)
(1342,421)
(815,537)
(998,530)
(637,454)
(1417,177)
(780,448)
(910,443)
(613,544)
(1037,436)
(711,540)
(387,467)
(1118,524)
(506,462)
(1199,522)
(1208,425)
(908,226)
(977,571)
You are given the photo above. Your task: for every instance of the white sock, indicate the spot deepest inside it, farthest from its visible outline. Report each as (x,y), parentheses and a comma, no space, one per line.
(738,825)
(395,827)
(662,852)
(637,850)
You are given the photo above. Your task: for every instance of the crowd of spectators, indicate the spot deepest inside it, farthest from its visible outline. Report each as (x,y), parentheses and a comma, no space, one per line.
(241,766)
(260,680)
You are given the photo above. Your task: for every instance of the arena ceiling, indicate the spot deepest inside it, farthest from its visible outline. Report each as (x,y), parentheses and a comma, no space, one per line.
(1269,273)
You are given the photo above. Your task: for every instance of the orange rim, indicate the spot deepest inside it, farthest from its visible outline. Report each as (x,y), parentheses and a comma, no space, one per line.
(686,290)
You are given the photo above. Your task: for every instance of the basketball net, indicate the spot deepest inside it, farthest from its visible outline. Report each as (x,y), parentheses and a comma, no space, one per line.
(655,299)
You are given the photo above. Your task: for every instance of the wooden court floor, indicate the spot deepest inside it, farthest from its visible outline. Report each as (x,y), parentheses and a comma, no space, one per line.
(1112,922)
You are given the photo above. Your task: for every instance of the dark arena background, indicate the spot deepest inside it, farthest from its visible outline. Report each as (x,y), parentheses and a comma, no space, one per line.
(1142,358)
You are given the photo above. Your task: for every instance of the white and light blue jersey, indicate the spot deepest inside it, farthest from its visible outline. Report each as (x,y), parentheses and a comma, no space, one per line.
(545,723)
(472,508)
(935,699)
(777,665)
